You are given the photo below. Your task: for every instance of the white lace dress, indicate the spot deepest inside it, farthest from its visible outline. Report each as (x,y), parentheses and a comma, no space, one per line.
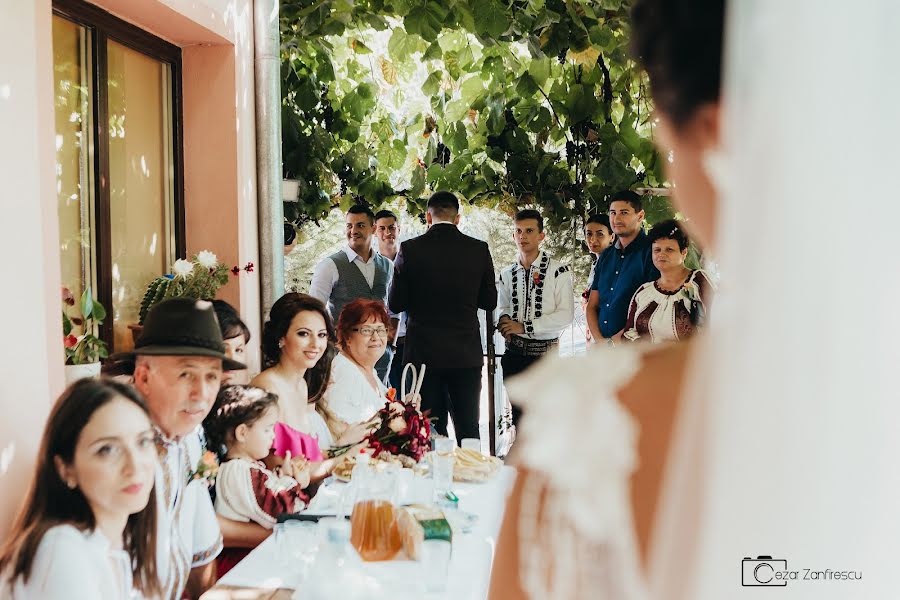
(578,443)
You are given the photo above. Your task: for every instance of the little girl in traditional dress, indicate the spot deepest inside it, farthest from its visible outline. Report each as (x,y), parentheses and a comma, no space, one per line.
(241,428)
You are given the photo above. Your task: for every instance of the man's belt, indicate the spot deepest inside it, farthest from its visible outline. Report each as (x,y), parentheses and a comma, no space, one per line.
(527,347)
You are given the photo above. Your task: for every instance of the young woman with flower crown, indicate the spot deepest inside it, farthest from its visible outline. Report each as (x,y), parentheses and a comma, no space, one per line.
(241,427)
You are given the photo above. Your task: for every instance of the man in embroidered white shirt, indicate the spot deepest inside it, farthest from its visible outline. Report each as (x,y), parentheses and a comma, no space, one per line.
(535,299)
(356,271)
(179,359)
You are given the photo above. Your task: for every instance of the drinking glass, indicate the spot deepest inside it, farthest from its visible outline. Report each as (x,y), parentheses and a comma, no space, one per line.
(302,544)
(472,444)
(442,468)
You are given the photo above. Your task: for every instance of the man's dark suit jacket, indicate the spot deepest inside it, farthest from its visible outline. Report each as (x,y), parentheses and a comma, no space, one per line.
(441,279)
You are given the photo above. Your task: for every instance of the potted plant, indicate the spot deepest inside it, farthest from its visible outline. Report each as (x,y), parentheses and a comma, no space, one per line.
(201,277)
(83,352)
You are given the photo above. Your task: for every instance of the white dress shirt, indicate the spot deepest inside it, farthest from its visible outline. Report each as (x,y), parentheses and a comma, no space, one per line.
(540,297)
(76,565)
(325,275)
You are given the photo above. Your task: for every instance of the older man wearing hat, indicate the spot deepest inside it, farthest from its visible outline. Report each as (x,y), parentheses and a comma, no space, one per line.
(179,359)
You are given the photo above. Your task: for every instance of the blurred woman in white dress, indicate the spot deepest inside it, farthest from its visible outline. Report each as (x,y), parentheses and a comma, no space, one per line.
(579,523)
(784,440)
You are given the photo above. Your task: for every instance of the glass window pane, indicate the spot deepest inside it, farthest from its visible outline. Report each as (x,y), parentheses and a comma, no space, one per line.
(74,172)
(141,180)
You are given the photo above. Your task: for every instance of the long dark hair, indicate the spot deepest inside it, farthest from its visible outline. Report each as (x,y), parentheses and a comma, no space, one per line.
(280,316)
(50,502)
(679,44)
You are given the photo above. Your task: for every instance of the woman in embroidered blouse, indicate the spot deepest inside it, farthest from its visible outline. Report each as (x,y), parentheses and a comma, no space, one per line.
(672,307)
(355,393)
(243,423)
(87,528)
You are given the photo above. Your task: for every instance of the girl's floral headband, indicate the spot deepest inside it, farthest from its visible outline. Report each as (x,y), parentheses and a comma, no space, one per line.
(251,397)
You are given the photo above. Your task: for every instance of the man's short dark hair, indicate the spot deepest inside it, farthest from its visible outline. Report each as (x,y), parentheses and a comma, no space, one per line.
(630,197)
(530,213)
(599,219)
(362,209)
(443,205)
(385,214)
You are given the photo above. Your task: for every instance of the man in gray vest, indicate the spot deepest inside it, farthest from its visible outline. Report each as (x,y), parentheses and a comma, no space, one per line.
(356,271)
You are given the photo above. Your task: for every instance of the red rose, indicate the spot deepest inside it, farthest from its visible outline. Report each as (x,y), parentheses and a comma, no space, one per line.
(235,270)
(70,341)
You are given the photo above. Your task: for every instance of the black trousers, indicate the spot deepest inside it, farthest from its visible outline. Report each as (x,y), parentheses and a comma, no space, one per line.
(397,365)
(513,364)
(457,392)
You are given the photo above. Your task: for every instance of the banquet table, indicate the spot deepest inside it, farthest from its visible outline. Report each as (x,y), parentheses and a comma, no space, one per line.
(261,575)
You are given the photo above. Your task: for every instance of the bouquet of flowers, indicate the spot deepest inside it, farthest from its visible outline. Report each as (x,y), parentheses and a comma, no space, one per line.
(399,430)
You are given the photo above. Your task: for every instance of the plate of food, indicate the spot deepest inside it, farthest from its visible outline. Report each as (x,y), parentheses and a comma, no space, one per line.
(343,471)
(471,466)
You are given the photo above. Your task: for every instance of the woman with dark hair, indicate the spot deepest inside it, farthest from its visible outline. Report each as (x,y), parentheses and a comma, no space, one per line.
(87,528)
(297,353)
(236,336)
(672,307)
(355,393)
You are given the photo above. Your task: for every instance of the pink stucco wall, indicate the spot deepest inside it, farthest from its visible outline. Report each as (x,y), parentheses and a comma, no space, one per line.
(31,357)
(220,200)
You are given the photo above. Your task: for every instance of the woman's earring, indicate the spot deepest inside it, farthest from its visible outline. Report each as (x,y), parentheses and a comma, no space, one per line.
(71,485)
(280,343)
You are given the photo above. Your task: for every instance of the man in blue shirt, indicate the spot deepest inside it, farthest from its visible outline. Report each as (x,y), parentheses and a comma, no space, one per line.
(620,270)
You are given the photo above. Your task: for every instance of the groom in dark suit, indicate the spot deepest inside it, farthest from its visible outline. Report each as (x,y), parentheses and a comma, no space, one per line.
(441,279)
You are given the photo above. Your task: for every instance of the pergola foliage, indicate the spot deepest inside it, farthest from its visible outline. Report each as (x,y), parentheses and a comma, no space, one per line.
(507,103)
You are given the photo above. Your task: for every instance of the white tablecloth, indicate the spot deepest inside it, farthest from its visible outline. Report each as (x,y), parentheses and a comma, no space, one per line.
(469,572)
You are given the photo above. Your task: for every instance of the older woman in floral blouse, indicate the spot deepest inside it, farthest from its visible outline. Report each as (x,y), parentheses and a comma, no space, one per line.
(673,306)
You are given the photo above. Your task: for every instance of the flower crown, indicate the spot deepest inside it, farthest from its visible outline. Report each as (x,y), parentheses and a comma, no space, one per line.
(251,396)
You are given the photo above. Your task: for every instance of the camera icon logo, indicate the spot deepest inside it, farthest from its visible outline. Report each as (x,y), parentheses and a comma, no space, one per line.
(763,571)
